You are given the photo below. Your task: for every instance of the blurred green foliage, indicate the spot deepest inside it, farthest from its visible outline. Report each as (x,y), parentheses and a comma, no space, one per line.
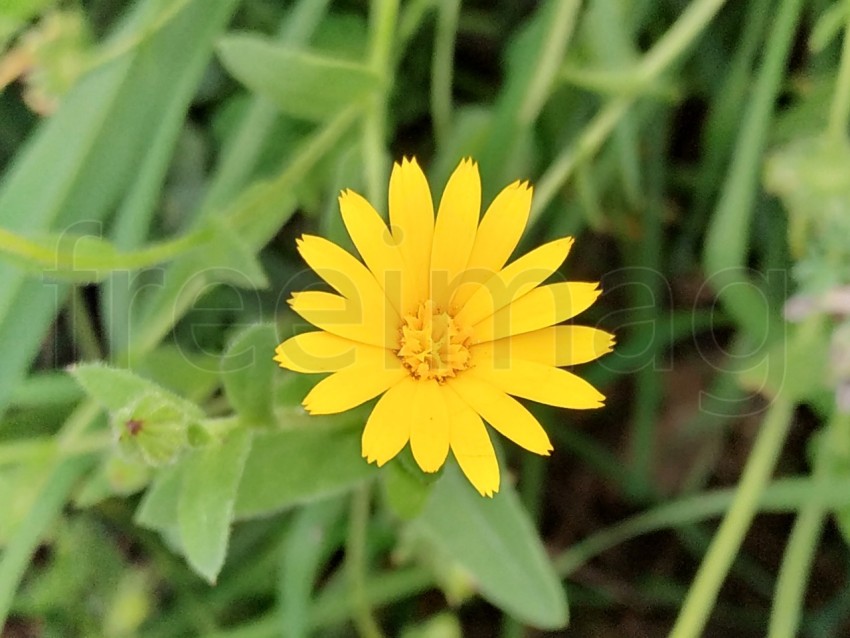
(159,158)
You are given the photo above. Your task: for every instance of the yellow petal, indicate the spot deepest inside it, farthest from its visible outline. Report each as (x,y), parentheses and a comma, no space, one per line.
(498,235)
(325,352)
(454,233)
(388,427)
(514,281)
(542,307)
(541,383)
(554,346)
(350,387)
(429,426)
(471,445)
(412,220)
(347,318)
(342,271)
(504,413)
(377,247)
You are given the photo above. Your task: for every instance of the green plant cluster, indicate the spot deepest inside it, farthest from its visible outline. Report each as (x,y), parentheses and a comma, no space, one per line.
(158,476)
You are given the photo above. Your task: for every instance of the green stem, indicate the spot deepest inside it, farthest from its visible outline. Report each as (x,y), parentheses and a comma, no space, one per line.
(645,308)
(384,17)
(797,562)
(783,495)
(384,14)
(355,551)
(327,611)
(250,218)
(674,42)
(614,83)
(717,561)
(46,388)
(83,333)
(30,449)
(245,146)
(441,68)
(726,243)
(551,56)
(840,110)
(40,255)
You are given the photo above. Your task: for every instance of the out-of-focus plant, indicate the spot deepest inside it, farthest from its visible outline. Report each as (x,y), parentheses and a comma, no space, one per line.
(149,445)
(49,58)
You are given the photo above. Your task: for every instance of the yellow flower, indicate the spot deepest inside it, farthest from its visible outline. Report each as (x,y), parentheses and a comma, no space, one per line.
(437,324)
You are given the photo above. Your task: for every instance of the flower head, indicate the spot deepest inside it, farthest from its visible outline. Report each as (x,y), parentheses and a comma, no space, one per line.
(435,323)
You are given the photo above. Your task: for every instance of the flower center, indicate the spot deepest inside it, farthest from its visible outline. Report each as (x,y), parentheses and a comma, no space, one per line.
(432,345)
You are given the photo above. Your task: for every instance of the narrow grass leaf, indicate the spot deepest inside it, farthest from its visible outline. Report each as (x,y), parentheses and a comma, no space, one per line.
(80,160)
(314,534)
(23,543)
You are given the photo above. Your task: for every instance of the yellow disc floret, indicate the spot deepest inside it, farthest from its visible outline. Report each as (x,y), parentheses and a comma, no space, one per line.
(432,346)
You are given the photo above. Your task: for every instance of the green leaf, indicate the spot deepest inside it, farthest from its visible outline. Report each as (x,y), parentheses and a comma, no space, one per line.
(25,539)
(206,502)
(150,422)
(158,508)
(115,388)
(304,464)
(496,542)
(193,375)
(78,162)
(828,25)
(406,491)
(19,487)
(115,476)
(304,85)
(231,258)
(314,534)
(257,214)
(248,372)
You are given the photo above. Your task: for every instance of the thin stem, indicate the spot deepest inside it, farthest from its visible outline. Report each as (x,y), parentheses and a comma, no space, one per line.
(83,333)
(783,495)
(355,551)
(674,42)
(384,16)
(591,139)
(240,154)
(717,561)
(840,110)
(646,314)
(14,452)
(797,562)
(251,218)
(549,60)
(102,258)
(441,68)
(726,243)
